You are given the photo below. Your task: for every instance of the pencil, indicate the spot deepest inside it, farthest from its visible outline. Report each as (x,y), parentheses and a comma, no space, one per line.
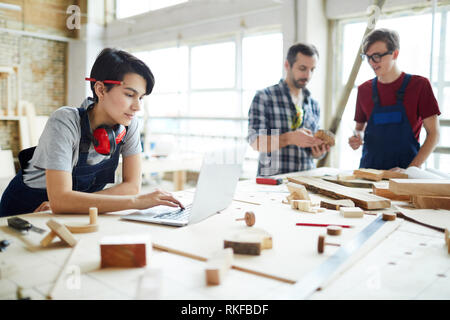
(322,225)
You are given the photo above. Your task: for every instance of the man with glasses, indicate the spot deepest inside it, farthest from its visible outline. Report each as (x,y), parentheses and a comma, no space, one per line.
(283,118)
(391,109)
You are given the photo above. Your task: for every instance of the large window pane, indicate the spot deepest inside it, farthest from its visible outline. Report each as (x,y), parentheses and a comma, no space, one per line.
(224,128)
(213,66)
(128,8)
(166,105)
(262,60)
(214,104)
(169,67)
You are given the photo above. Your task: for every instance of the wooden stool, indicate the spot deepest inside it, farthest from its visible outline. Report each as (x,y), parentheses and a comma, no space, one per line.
(321,244)
(249,218)
(58,230)
(86,228)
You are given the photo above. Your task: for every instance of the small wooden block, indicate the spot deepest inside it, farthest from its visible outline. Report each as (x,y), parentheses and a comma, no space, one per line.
(334,230)
(389,216)
(218,265)
(48,239)
(250,242)
(60,230)
(302,205)
(349,212)
(369,174)
(336,204)
(431,202)
(326,135)
(298,191)
(124,251)
(93,215)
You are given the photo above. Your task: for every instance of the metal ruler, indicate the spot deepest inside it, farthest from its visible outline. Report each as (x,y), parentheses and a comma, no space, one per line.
(312,281)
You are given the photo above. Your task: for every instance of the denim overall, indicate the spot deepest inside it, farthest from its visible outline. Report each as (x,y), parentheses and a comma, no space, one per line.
(389,141)
(18,198)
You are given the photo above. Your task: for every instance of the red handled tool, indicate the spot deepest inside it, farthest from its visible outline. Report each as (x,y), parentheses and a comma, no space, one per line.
(269,181)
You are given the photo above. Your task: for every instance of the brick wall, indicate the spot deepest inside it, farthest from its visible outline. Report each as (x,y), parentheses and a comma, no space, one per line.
(42,62)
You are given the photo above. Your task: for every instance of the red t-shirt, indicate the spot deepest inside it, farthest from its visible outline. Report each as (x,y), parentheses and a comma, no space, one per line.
(419,100)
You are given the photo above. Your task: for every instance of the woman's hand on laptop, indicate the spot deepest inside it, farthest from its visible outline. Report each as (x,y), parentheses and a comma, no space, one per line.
(156,198)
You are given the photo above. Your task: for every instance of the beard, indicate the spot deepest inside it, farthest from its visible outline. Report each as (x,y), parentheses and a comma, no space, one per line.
(300,83)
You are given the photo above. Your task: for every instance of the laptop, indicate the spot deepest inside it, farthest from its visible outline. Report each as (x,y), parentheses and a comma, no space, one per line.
(215,189)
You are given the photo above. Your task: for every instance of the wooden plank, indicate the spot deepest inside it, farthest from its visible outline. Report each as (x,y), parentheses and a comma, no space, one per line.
(369,174)
(360,198)
(431,202)
(382,190)
(352,183)
(387,174)
(425,187)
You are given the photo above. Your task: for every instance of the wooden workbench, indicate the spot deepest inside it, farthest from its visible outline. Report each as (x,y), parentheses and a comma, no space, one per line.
(408,262)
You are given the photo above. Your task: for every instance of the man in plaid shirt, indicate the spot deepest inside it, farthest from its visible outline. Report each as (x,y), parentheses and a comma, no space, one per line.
(283,118)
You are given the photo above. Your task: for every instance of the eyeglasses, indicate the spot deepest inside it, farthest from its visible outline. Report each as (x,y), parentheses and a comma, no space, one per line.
(376,57)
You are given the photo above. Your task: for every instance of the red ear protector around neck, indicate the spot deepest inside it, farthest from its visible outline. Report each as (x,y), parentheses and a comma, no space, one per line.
(106,139)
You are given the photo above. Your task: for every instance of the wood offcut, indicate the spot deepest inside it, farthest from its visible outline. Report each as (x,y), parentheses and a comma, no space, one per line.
(360,198)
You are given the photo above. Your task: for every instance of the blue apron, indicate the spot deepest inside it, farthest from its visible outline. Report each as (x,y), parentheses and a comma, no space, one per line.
(389,141)
(18,198)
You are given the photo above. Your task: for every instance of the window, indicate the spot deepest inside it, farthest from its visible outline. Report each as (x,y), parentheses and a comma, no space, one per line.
(128,8)
(203,91)
(415,47)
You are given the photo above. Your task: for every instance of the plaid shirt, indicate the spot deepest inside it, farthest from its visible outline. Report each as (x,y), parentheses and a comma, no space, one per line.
(272,112)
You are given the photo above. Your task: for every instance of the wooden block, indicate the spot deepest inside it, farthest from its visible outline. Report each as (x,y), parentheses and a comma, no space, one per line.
(382,190)
(336,204)
(218,265)
(431,202)
(389,216)
(387,174)
(60,230)
(351,212)
(298,191)
(423,187)
(93,214)
(48,239)
(369,174)
(302,205)
(326,135)
(334,230)
(124,251)
(250,241)
(360,198)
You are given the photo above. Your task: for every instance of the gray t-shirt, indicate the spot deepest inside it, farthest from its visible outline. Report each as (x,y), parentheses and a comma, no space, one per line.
(59,145)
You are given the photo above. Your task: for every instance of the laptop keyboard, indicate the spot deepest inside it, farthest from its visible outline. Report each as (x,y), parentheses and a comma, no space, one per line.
(180,214)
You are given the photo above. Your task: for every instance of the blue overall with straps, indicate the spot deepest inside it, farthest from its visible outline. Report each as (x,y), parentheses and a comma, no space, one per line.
(18,198)
(389,140)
